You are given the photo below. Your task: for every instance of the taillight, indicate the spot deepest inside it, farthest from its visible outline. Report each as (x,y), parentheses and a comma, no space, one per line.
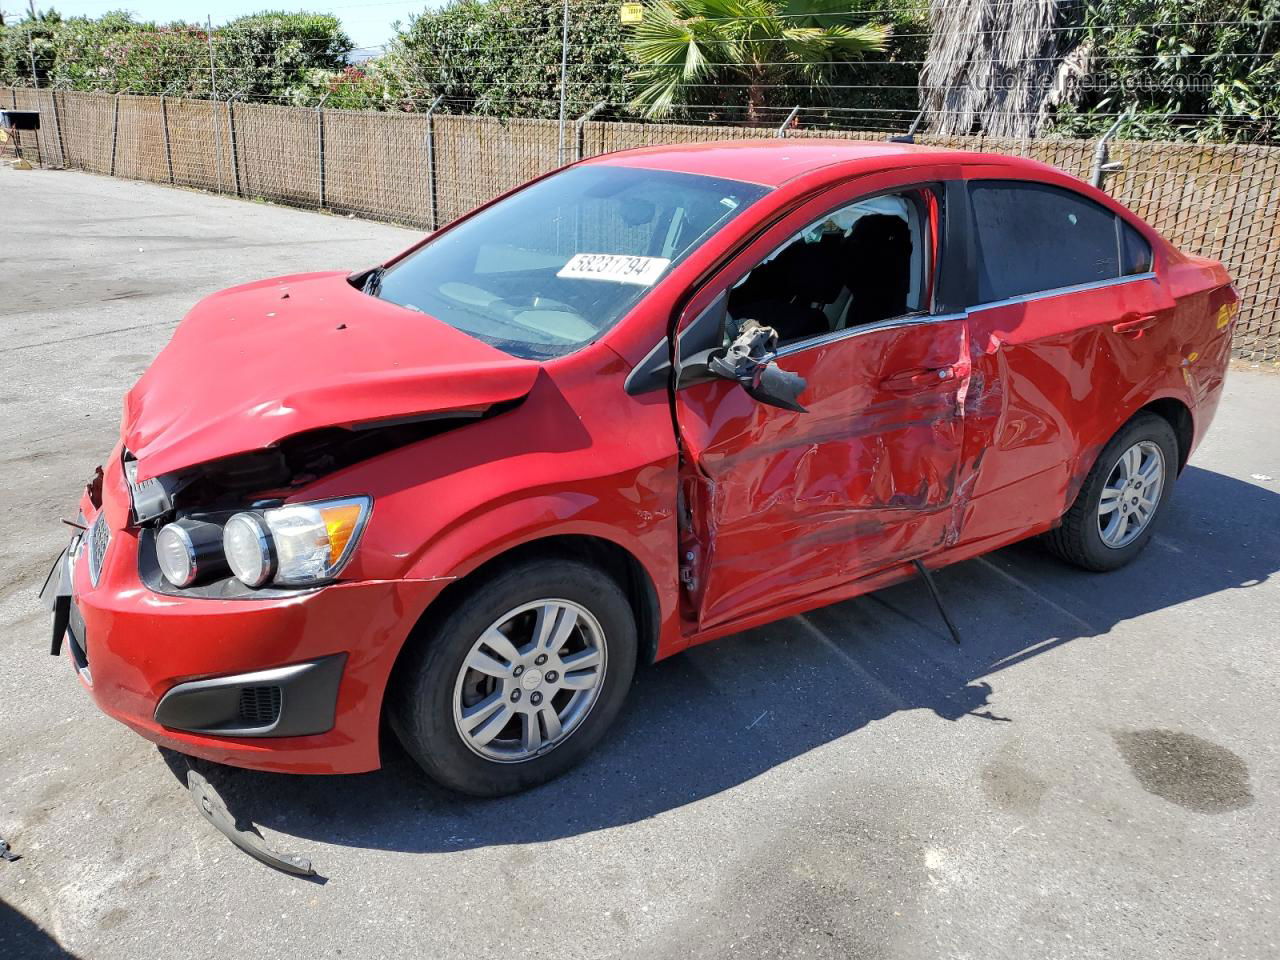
(1224,305)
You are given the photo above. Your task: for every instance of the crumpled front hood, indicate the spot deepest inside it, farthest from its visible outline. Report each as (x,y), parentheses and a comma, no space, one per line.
(252,365)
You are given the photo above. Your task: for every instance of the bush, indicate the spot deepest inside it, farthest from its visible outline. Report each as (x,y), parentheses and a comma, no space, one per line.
(274,56)
(1191,70)
(502,58)
(25,43)
(118,54)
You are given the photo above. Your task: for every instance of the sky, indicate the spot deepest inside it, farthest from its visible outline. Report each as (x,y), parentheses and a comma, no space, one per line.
(367,23)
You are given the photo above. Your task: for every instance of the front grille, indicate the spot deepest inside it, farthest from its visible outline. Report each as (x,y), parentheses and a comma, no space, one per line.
(259,706)
(99,538)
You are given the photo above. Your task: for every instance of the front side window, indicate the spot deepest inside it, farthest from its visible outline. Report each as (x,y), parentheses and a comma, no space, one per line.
(553,266)
(861,264)
(1033,237)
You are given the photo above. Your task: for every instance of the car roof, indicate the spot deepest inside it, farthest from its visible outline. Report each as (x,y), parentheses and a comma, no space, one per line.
(775,161)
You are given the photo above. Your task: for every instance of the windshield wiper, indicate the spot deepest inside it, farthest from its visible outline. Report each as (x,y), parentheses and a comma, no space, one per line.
(373,282)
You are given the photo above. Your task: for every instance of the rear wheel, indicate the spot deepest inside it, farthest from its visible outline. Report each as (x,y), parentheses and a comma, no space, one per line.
(1114,514)
(520,679)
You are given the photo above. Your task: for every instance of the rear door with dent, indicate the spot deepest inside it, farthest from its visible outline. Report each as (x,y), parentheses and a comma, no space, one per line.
(1071,327)
(775,504)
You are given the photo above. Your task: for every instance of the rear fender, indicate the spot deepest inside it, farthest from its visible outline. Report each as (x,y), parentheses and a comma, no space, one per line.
(1093,445)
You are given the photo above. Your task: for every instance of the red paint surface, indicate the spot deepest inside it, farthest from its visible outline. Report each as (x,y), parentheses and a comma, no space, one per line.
(783,511)
(267,360)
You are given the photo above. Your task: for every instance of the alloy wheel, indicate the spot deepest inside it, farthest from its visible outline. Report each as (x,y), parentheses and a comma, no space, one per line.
(529,680)
(1131,494)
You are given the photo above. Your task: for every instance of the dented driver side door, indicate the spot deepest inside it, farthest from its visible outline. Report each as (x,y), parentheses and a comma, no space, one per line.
(776,504)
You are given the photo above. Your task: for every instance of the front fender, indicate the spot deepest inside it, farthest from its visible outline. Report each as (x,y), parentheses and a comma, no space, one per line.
(468,545)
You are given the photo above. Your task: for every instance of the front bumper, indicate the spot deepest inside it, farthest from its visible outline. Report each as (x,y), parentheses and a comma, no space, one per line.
(159,663)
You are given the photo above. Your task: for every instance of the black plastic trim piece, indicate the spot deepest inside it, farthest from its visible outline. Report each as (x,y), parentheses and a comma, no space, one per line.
(214,809)
(957,279)
(651,373)
(309,699)
(697,341)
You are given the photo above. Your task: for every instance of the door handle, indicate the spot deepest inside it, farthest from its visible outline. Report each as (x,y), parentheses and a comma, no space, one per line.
(909,381)
(1132,324)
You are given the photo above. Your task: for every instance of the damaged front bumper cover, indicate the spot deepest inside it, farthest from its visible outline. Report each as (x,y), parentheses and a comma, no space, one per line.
(214,809)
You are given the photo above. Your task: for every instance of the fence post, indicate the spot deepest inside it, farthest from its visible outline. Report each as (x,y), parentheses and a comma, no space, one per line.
(579,126)
(164,127)
(57,126)
(213,100)
(235,157)
(564,71)
(320,144)
(1100,166)
(433,223)
(115,133)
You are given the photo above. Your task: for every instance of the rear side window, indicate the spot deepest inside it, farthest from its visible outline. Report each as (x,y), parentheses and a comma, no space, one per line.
(1135,252)
(1032,237)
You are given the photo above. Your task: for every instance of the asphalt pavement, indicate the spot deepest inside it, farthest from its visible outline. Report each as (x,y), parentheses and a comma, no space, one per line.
(1092,774)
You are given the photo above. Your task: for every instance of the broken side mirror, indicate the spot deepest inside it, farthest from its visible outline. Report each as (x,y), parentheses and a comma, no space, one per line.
(750,361)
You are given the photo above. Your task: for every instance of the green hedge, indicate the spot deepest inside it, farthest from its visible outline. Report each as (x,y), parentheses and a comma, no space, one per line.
(281,56)
(1189,69)
(502,58)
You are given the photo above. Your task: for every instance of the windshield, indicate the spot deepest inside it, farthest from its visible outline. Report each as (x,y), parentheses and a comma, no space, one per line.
(552,267)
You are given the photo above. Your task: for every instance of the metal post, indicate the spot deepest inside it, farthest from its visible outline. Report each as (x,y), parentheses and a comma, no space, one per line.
(1100,166)
(433,221)
(564,72)
(320,144)
(57,123)
(213,98)
(164,127)
(782,130)
(213,73)
(31,51)
(231,137)
(579,124)
(115,134)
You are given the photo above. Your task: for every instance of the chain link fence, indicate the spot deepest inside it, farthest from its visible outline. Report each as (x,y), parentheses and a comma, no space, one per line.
(1219,201)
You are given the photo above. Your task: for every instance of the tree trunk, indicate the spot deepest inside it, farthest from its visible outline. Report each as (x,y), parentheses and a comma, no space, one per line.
(991,65)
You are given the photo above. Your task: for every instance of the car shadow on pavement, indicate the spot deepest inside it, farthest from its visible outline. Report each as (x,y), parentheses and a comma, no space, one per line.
(23,938)
(717,716)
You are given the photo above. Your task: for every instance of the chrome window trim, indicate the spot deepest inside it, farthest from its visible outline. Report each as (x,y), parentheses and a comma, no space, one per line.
(1057,291)
(835,336)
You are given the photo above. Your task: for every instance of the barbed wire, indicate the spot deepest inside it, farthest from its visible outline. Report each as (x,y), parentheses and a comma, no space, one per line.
(470,73)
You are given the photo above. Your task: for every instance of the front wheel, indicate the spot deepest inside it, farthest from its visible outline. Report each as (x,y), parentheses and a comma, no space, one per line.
(1114,514)
(519,680)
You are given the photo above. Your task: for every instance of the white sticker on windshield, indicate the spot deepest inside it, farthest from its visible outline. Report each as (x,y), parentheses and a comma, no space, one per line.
(642,271)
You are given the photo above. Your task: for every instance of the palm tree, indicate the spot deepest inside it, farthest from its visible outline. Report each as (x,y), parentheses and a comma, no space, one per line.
(997,67)
(757,43)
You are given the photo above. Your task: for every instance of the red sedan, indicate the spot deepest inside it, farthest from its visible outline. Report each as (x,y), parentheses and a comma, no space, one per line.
(649,400)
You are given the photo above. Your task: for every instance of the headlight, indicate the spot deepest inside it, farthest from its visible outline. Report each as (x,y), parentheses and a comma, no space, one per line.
(295,545)
(247,543)
(189,550)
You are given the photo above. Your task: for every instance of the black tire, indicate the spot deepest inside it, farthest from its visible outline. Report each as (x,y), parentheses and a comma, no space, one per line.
(421,703)
(1078,540)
